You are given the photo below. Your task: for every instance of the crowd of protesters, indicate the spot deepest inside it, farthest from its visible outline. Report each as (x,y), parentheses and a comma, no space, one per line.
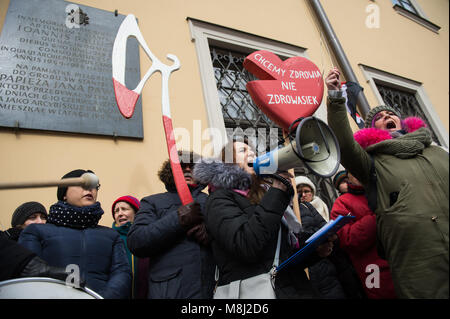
(395,184)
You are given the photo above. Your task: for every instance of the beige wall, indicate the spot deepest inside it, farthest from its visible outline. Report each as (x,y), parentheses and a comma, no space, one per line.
(400,46)
(128,166)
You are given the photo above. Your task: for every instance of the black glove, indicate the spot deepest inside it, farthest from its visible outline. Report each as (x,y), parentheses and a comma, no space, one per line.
(199,234)
(190,215)
(287,183)
(37,267)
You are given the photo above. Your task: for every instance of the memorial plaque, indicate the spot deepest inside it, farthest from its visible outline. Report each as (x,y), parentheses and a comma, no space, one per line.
(56,73)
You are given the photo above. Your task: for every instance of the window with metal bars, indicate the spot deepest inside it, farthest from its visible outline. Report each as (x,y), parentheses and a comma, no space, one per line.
(404,101)
(242,116)
(239,111)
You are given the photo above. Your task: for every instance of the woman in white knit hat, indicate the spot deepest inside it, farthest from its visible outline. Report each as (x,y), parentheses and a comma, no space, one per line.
(307,193)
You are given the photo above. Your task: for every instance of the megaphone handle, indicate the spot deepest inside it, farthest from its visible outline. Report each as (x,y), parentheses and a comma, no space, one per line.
(289,187)
(298,152)
(323,136)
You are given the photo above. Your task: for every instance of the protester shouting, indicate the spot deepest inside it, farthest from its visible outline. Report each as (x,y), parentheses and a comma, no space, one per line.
(411,189)
(243,217)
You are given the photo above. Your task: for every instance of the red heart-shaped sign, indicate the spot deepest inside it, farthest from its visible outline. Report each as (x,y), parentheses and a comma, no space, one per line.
(286,90)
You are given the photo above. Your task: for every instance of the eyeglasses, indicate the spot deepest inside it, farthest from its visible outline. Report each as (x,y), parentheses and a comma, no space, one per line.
(306,191)
(186,165)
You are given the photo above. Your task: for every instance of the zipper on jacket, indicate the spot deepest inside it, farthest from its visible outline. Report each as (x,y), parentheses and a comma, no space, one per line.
(132,276)
(83,254)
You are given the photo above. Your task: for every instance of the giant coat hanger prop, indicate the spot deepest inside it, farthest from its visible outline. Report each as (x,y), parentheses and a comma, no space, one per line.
(126,98)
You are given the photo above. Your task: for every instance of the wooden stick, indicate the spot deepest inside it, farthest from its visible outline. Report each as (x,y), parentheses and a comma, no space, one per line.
(295,204)
(86,180)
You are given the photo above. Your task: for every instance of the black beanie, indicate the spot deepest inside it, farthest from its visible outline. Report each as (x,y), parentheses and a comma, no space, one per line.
(61,192)
(25,210)
(338,178)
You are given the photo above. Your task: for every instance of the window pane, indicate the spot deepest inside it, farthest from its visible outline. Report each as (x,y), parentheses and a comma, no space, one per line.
(237,106)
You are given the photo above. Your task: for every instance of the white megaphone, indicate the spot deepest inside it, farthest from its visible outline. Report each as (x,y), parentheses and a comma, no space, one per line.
(314,144)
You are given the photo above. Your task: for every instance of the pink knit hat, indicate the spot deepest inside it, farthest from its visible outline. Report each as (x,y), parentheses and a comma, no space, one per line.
(133,201)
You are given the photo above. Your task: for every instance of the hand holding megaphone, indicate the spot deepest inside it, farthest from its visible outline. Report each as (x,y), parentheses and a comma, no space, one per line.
(281,180)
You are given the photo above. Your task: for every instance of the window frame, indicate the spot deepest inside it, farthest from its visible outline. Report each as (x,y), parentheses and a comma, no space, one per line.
(373,75)
(418,17)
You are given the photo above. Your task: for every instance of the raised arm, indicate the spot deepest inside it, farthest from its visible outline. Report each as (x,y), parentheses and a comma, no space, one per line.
(353,156)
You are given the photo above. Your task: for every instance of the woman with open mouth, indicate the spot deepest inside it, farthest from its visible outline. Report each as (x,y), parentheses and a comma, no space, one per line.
(406,177)
(124,210)
(247,220)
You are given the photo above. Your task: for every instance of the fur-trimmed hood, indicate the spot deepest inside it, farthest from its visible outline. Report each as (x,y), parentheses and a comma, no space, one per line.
(221,175)
(370,136)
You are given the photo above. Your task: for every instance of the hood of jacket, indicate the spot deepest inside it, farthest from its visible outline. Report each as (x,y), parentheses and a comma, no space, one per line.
(370,136)
(221,175)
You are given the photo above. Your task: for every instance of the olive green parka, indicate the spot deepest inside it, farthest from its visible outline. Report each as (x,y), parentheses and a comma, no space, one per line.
(412,201)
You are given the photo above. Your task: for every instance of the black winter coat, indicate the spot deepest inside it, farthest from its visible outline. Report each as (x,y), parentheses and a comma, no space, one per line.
(178,266)
(13,233)
(13,258)
(334,277)
(244,235)
(323,274)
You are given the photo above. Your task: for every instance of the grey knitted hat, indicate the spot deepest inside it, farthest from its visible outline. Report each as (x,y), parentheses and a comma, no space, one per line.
(25,210)
(378,109)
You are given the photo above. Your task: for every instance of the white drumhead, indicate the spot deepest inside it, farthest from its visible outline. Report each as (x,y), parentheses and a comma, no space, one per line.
(42,288)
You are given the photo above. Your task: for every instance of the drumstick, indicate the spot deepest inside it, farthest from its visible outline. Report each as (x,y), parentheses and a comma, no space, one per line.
(87,180)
